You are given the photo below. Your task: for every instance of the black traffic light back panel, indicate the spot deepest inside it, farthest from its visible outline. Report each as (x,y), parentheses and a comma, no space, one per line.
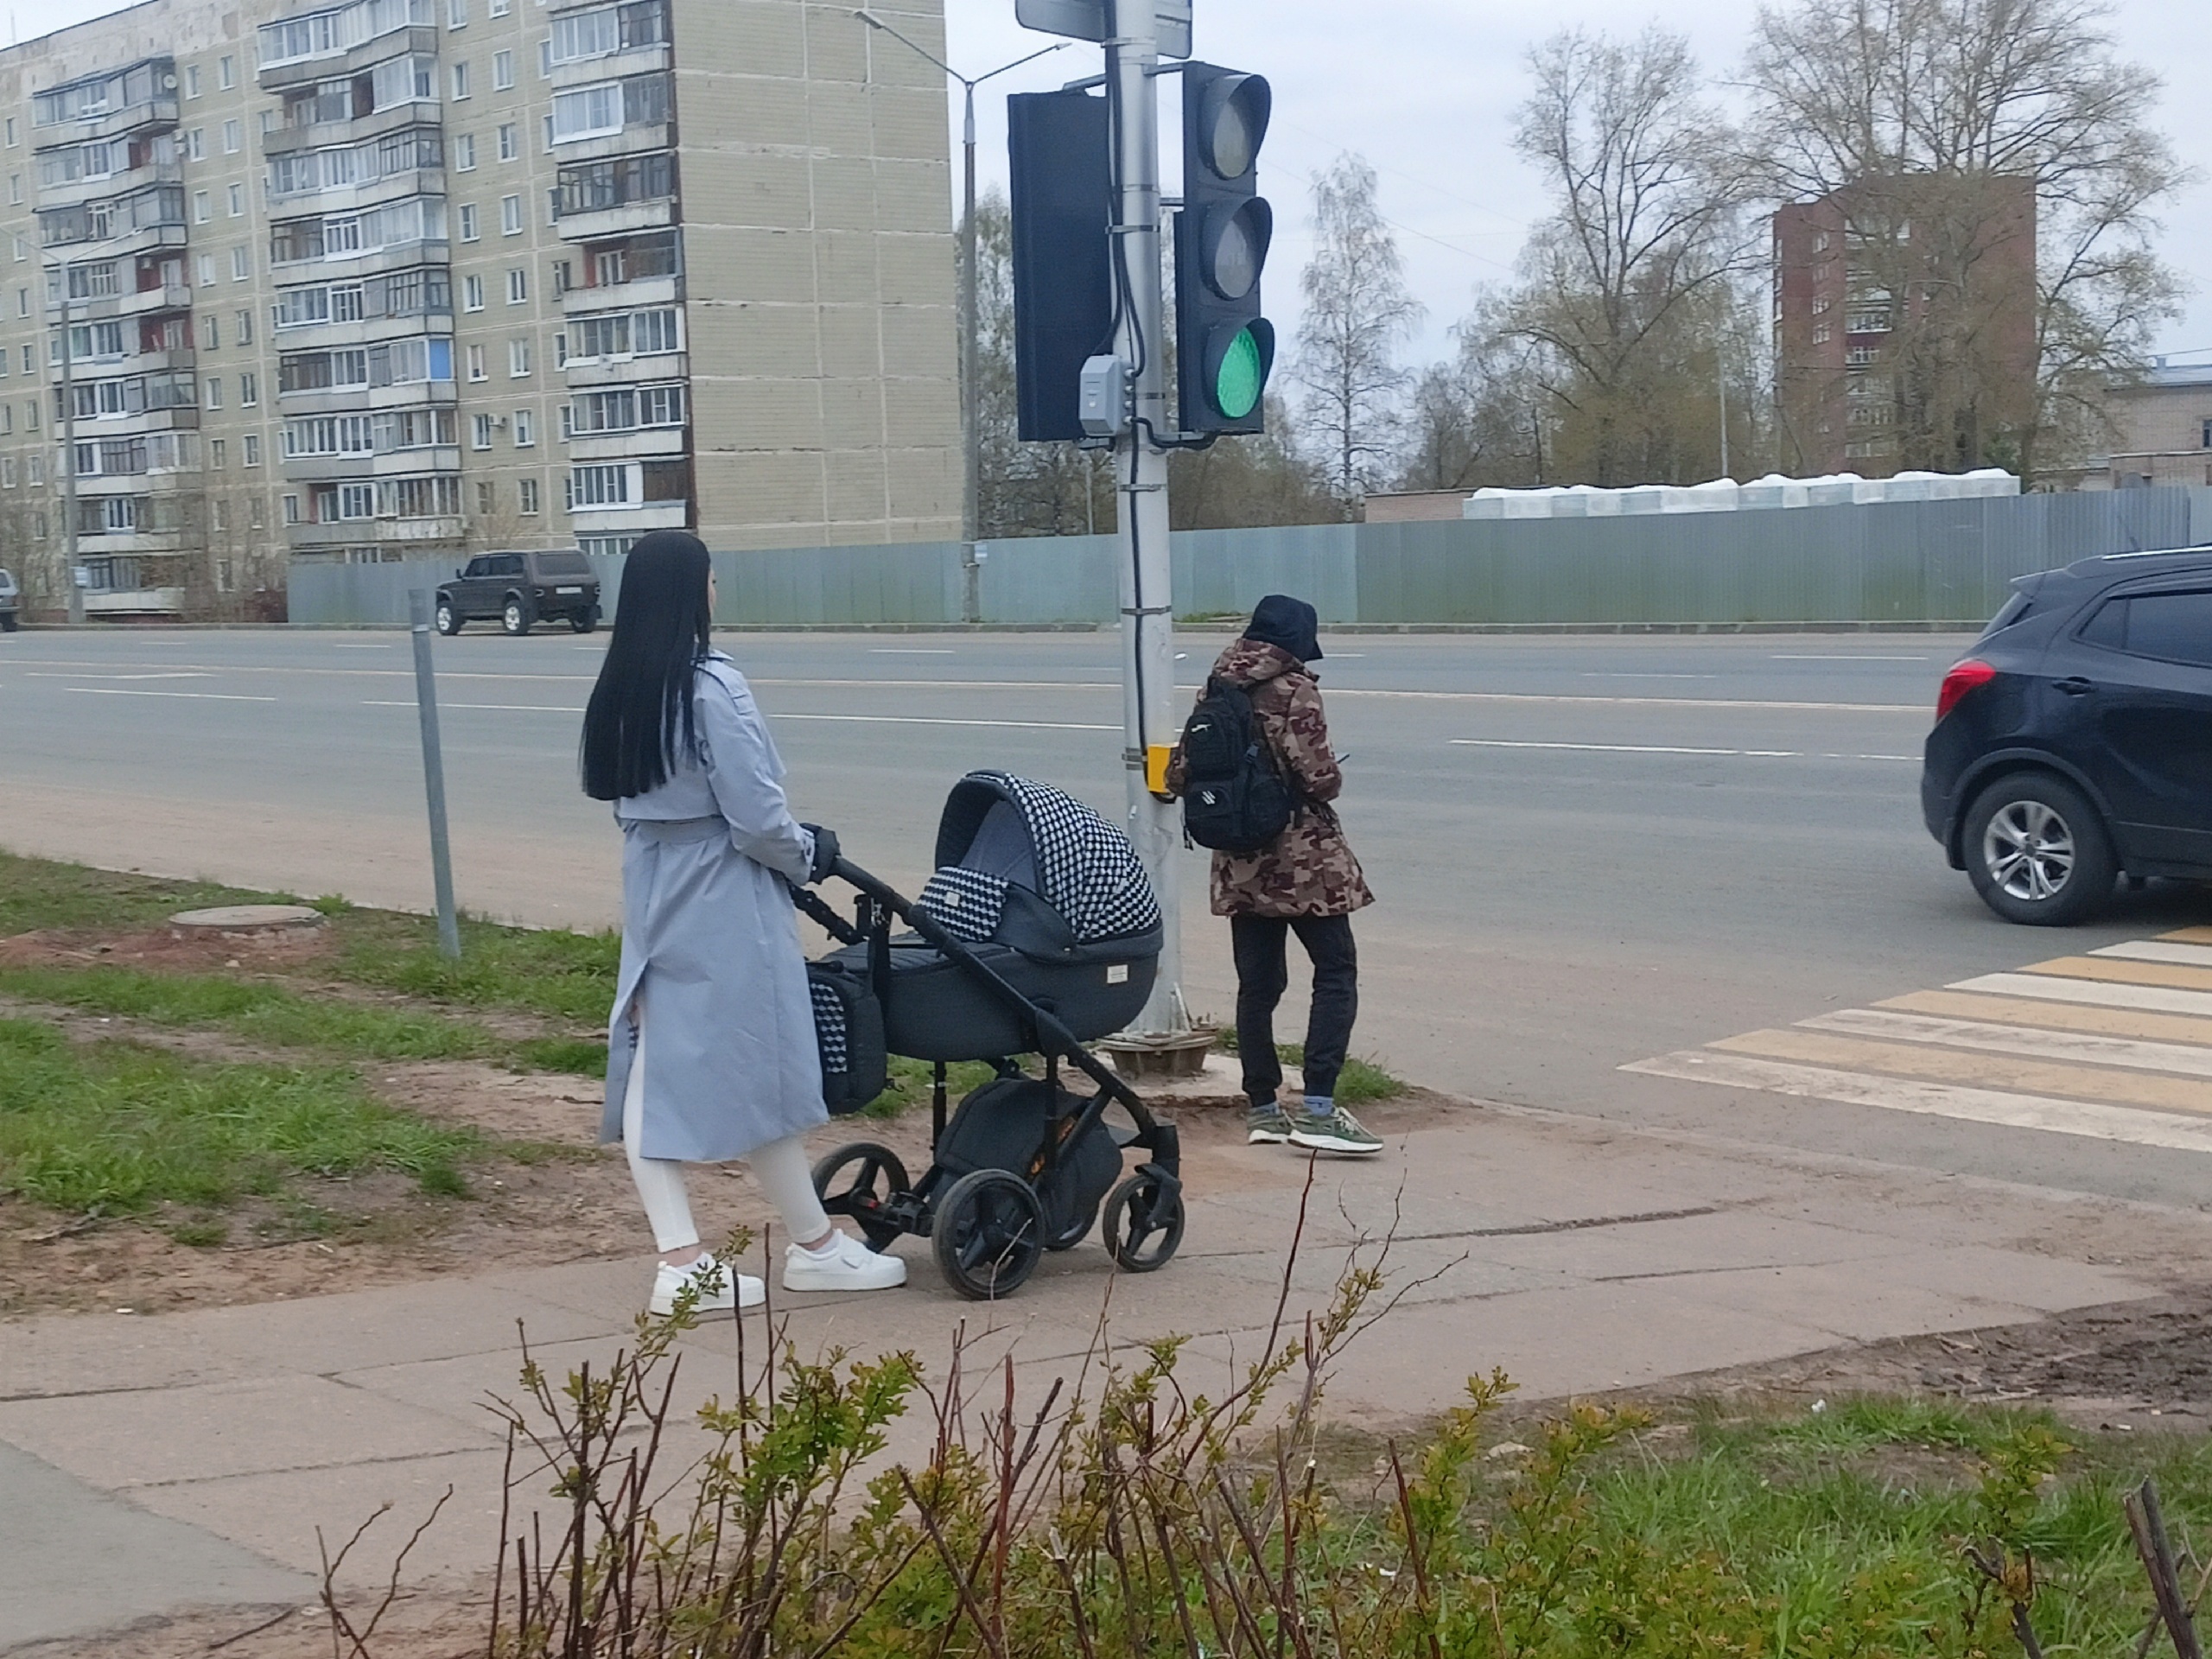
(1061,194)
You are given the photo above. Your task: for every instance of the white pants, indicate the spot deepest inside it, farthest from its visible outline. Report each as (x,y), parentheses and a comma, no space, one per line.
(780,1168)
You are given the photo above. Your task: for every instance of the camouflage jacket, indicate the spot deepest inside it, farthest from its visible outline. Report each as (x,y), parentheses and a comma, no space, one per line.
(1308,870)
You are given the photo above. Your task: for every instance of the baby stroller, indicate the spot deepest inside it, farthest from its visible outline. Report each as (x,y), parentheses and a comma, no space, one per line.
(1038,933)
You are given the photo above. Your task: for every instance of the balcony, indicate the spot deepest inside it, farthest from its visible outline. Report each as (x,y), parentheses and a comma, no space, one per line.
(590,373)
(113,184)
(369,331)
(417,40)
(658,135)
(399,256)
(154,113)
(394,463)
(350,198)
(633,444)
(591,225)
(352,400)
(645,291)
(355,532)
(410,112)
(163,296)
(634,516)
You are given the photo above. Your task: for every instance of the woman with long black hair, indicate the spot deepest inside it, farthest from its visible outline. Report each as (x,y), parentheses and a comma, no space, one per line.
(711,1048)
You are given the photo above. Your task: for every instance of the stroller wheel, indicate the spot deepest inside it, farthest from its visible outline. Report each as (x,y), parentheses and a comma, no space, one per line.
(989,1234)
(1144,1223)
(860,1179)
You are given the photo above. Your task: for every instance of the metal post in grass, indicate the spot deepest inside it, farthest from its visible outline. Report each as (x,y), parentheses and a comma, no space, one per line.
(434,774)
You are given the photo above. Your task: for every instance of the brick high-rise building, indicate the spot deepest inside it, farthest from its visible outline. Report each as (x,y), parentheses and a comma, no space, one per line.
(428,276)
(1905,330)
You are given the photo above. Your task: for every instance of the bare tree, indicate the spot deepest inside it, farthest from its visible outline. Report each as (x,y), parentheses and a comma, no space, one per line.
(1358,314)
(1932,117)
(1475,420)
(1627,298)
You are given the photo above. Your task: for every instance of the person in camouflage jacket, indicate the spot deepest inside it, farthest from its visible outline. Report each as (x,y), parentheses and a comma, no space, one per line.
(1305,881)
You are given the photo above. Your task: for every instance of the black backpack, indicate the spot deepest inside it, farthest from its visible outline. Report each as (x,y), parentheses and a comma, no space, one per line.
(1234,797)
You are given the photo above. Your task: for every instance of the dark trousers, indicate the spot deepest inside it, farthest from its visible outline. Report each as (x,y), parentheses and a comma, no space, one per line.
(1262,976)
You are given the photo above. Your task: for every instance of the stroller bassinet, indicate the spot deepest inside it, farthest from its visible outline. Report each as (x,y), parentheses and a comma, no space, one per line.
(1038,932)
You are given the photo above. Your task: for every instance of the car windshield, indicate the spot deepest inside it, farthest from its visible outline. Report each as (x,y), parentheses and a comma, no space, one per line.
(564,564)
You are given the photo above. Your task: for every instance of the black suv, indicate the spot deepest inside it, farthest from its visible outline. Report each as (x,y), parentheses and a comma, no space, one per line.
(521,589)
(2076,742)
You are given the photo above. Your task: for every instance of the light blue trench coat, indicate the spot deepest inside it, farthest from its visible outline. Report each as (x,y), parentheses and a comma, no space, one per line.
(710,943)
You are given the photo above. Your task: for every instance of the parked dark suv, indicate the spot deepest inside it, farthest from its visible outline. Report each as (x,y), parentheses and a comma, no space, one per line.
(521,589)
(2075,742)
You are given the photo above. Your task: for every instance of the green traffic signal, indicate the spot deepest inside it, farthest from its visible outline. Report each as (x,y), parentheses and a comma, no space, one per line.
(1238,360)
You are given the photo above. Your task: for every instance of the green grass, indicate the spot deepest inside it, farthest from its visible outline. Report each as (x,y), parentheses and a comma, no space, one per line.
(910,1086)
(1360,1082)
(552,972)
(121,1129)
(42,894)
(258,1011)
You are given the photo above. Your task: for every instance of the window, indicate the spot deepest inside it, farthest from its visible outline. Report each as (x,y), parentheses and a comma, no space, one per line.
(214,384)
(461,81)
(525,432)
(192,80)
(472,293)
(655,330)
(2203,434)
(11,132)
(518,359)
(526,496)
(660,405)
(508,148)
(598,486)
(479,435)
(509,215)
(195,144)
(464,152)
(503,72)
(2176,627)
(487,495)
(251,448)
(476,363)
(517,285)
(201,209)
(592,187)
(242,328)
(211,334)
(588,112)
(23,249)
(234,136)
(468,231)
(456,13)
(290,506)
(217,452)
(227,73)
(241,264)
(249,390)
(237,200)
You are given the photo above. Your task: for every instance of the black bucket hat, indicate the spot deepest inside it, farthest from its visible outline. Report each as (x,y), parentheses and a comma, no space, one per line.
(1292,623)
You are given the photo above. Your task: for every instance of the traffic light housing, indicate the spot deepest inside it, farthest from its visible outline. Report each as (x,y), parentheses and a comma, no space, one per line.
(1061,195)
(1224,349)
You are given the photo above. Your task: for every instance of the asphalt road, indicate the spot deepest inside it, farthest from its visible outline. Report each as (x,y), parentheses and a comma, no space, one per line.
(1587,851)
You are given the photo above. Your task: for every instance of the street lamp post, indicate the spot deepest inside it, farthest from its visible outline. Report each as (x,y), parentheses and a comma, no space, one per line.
(69,454)
(970,402)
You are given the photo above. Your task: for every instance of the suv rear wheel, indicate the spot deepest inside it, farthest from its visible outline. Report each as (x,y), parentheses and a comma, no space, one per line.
(585,621)
(515,618)
(2037,850)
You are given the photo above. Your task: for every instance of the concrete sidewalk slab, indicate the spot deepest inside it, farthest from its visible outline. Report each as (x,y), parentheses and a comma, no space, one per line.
(1578,1256)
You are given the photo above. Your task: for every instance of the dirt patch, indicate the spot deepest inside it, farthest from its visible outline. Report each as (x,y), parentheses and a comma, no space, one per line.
(2132,1367)
(157,948)
(428,1624)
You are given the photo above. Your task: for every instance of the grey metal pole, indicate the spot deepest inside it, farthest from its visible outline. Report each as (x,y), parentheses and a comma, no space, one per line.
(971,433)
(1141,480)
(69,459)
(434,774)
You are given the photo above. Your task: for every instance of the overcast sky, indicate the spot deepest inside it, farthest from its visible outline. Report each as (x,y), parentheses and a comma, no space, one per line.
(1425,90)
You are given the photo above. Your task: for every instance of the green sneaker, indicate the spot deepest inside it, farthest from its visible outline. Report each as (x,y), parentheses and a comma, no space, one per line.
(1335,1131)
(1266,1126)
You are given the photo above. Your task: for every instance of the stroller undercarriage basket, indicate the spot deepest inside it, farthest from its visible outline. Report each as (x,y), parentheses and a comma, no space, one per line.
(1039,933)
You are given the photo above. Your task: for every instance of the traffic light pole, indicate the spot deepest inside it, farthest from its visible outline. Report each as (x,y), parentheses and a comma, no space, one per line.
(1148,714)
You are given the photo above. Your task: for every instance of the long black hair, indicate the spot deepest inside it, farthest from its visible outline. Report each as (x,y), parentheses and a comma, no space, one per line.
(641,710)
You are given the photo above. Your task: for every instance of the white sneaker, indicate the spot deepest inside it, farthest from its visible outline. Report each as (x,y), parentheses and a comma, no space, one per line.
(847,1265)
(720,1288)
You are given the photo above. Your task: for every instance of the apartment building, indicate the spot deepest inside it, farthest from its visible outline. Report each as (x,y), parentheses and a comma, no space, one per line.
(419,277)
(1905,330)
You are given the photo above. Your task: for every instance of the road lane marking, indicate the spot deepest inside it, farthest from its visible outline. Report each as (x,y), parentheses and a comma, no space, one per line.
(1667,748)
(164,674)
(2125,973)
(1974,1070)
(2088,1119)
(2059,1016)
(2026,1041)
(857,719)
(1836,657)
(911,650)
(1623,674)
(2185,956)
(2152,999)
(203,696)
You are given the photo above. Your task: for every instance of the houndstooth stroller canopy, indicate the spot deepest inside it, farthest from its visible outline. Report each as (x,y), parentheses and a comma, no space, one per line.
(1030,865)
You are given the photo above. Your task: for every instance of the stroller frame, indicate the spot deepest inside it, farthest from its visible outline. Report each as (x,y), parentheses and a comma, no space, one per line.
(988,1238)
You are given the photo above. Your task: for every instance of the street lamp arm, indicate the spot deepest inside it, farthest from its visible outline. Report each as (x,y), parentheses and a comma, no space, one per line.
(971,82)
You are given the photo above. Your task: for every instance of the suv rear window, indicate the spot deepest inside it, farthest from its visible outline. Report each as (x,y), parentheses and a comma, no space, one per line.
(2012,611)
(564,564)
(2175,627)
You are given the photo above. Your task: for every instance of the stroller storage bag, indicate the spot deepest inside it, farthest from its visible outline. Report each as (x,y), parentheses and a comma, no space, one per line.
(848,1028)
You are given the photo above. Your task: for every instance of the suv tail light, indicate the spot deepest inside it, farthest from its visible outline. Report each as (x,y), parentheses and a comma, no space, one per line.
(1963,678)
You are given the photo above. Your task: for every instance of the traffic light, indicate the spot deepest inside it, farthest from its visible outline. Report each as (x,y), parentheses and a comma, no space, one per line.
(1223,347)
(1061,195)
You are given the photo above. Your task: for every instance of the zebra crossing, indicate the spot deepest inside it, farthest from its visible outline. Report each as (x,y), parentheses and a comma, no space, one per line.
(2115,1045)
